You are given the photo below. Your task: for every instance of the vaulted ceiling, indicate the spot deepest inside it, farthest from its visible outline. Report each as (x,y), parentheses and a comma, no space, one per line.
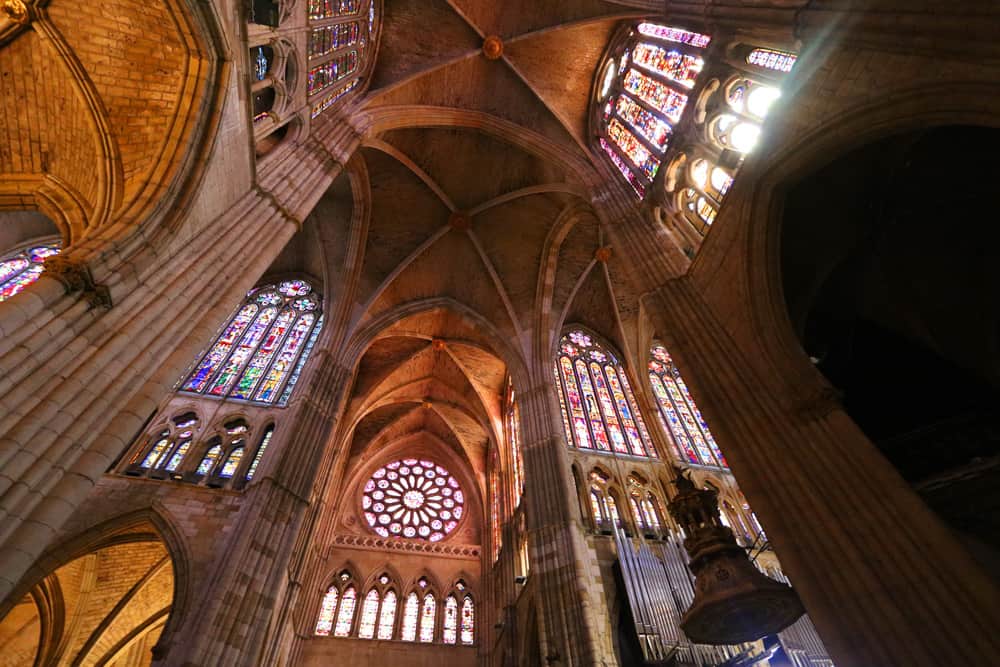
(479,183)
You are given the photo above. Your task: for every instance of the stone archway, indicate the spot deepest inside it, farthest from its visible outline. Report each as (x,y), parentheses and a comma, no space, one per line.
(106,605)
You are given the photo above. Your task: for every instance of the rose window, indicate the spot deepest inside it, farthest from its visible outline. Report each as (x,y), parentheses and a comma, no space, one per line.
(415,499)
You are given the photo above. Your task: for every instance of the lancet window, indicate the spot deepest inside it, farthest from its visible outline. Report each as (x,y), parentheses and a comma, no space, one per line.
(652,94)
(598,407)
(22,267)
(680,417)
(260,352)
(495,511)
(513,432)
(413,499)
(645,505)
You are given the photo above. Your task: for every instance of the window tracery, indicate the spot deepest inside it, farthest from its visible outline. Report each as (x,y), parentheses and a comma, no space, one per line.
(644,93)
(598,407)
(20,268)
(680,417)
(270,334)
(468,621)
(413,499)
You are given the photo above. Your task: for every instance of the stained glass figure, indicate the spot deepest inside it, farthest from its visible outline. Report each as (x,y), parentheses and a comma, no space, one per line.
(633,149)
(21,268)
(369,615)
(330,38)
(427,613)
(270,334)
(328,9)
(180,452)
(674,34)
(411,615)
(596,401)
(268,432)
(685,425)
(671,64)
(450,620)
(345,617)
(387,617)
(468,621)
(327,610)
(414,499)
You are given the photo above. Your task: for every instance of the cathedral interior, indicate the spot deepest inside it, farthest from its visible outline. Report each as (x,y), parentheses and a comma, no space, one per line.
(509,334)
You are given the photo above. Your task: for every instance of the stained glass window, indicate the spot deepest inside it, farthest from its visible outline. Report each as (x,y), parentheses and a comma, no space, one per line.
(427,618)
(268,432)
(21,268)
(271,333)
(778,61)
(211,456)
(514,436)
(450,620)
(326,612)
(415,499)
(157,450)
(332,71)
(596,401)
(229,468)
(693,442)
(387,617)
(330,38)
(369,614)
(495,514)
(644,93)
(468,621)
(595,506)
(345,617)
(411,613)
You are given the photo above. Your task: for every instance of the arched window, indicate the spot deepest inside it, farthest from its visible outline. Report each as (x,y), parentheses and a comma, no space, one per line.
(468,621)
(157,450)
(411,616)
(414,499)
(211,456)
(651,97)
(22,267)
(327,610)
(427,614)
(345,616)
(598,407)
(261,351)
(644,505)
(450,620)
(265,439)
(644,90)
(681,419)
(369,615)
(166,449)
(229,467)
(387,616)
(495,512)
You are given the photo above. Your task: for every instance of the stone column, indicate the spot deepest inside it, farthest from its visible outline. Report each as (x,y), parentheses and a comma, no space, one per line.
(882,578)
(557,548)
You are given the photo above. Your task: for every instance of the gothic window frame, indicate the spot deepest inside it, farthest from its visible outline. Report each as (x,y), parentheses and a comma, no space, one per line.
(684,426)
(343,580)
(581,397)
(645,505)
(30,257)
(252,339)
(179,435)
(460,594)
(496,518)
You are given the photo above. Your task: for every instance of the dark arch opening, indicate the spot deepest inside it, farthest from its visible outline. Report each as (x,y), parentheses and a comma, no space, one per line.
(891,272)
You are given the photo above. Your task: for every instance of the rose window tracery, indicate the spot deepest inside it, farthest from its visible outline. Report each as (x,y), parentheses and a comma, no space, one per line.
(415,499)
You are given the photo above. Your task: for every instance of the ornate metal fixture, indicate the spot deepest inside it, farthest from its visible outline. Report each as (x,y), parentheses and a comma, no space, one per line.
(733,601)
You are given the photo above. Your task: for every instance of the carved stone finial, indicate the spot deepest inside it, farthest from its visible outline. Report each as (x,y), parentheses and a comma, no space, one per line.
(15,10)
(603,254)
(459,220)
(492,47)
